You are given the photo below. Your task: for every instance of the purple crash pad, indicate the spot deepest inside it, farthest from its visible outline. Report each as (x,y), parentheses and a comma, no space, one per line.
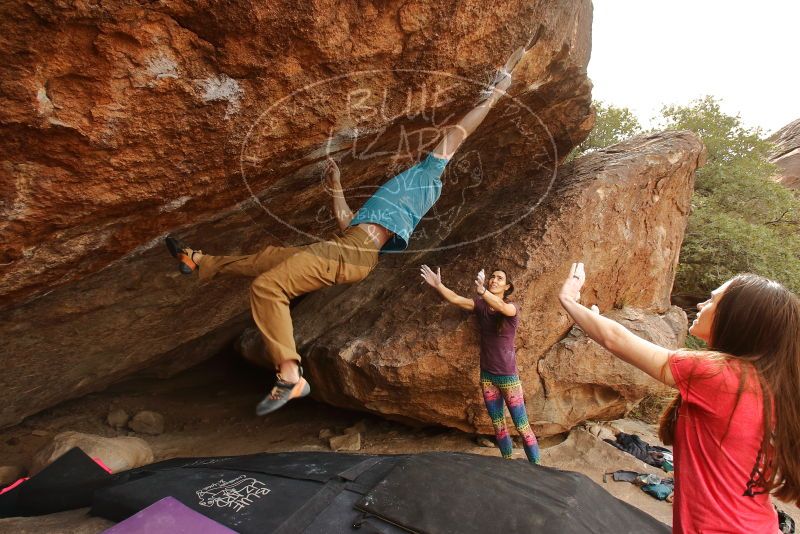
(168,516)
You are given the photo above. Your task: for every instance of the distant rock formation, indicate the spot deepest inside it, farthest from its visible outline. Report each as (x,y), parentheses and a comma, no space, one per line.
(786,154)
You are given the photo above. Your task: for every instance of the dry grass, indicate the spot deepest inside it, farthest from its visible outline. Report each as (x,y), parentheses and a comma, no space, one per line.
(651,407)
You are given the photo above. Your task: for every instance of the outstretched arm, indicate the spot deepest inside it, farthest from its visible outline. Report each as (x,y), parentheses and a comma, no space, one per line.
(333,183)
(459,132)
(624,344)
(435,281)
(492,300)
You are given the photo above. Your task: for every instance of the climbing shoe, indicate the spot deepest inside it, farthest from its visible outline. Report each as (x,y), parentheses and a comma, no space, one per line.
(502,77)
(282,393)
(178,250)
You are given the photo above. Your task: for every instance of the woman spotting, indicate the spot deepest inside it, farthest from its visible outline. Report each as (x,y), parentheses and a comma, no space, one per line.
(736,420)
(497,321)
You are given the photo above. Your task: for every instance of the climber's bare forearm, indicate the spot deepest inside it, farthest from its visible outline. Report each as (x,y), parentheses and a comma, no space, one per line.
(341,210)
(458,133)
(344,220)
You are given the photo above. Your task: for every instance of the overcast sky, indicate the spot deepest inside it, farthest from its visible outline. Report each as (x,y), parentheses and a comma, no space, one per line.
(646,53)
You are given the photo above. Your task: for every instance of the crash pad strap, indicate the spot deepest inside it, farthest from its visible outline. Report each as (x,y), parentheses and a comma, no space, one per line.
(306,514)
(356,471)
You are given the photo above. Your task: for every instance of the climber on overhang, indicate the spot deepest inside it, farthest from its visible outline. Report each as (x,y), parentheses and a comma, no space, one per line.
(383,224)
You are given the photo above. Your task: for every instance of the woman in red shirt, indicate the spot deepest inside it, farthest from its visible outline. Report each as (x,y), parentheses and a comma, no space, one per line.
(736,421)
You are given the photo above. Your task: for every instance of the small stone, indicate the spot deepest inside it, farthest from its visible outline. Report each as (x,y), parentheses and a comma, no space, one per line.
(326,433)
(118,418)
(205,420)
(358,428)
(147,422)
(347,442)
(484,442)
(12,441)
(40,433)
(10,474)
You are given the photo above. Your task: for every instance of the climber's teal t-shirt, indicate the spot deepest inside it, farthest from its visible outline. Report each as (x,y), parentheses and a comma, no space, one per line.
(399,204)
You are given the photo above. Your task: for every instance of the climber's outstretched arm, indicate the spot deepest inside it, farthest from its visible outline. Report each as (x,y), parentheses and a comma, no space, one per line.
(333,183)
(458,133)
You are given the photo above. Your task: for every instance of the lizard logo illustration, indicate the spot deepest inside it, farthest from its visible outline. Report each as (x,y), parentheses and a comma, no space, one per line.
(236,494)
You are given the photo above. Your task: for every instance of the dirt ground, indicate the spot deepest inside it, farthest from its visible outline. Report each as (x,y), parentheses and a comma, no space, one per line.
(209,411)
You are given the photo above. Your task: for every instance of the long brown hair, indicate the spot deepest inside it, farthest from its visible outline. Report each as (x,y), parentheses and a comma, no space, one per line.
(500,319)
(757,323)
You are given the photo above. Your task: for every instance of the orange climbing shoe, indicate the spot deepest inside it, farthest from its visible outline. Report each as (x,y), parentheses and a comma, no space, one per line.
(282,393)
(178,250)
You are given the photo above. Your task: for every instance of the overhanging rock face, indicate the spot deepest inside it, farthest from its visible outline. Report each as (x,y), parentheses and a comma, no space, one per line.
(122,122)
(390,345)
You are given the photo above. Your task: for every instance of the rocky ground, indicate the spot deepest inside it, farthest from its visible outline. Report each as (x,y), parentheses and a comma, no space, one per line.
(208,411)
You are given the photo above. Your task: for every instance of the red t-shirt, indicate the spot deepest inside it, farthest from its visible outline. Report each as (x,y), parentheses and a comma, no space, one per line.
(710,479)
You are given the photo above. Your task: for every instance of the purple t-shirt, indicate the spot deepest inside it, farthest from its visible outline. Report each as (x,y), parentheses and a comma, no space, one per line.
(497,350)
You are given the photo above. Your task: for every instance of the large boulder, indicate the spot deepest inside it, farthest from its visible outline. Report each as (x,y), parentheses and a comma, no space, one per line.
(124,121)
(786,154)
(581,381)
(389,345)
(118,454)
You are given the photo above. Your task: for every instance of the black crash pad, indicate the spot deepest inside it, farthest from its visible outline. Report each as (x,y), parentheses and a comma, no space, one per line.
(329,493)
(457,493)
(65,484)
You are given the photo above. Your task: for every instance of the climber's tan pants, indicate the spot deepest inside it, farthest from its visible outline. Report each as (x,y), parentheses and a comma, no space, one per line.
(282,273)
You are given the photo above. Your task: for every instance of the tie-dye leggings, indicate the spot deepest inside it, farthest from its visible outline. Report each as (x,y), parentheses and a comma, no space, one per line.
(507,389)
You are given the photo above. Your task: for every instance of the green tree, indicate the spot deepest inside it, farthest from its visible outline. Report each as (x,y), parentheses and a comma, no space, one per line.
(741,220)
(612,125)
